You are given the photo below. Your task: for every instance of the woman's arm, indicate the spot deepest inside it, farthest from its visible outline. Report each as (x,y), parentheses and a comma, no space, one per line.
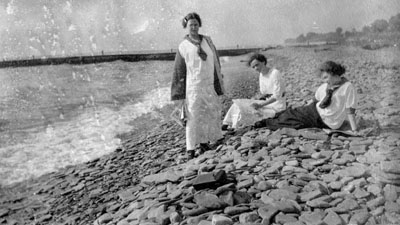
(267,102)
(352,118)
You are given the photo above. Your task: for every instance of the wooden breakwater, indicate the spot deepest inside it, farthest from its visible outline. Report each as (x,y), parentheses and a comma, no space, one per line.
(134,57)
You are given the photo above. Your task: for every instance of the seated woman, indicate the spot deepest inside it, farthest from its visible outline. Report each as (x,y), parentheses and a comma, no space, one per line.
(245,112)
(334,103)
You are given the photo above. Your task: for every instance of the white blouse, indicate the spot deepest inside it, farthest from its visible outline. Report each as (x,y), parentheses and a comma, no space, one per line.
(273,83)
(343,98)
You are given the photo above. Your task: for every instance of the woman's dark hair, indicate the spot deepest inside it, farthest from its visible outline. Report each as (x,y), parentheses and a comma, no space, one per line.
(257,56)
(332,68)
(191,16)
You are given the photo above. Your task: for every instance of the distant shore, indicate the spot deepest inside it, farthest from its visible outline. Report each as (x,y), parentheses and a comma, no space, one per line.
(133,57)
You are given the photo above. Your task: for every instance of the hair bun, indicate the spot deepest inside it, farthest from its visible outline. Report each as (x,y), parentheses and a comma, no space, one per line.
(332,68)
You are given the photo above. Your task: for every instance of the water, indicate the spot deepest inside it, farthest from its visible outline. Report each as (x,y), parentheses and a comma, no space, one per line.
(54,116)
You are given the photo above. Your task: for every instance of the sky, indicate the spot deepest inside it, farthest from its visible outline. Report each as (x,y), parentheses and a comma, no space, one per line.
(37,28)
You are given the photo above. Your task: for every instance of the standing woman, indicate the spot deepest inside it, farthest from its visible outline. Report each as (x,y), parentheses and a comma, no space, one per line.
(197,81)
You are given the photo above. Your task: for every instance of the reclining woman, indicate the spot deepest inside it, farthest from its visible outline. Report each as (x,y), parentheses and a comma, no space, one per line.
(334,103)
(245,112)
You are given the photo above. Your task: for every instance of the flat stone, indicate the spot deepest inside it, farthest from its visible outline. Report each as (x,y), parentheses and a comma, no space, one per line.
(4,212)
(374,189)
(392,207)
(353,171)
(137,214)
(317,203)
(391,166)
(346,206)
(333,218)
(360,193)
(361,142)
(289,132)
(341,161)
(174,217)
(278,194)
(234,210)
(264,185)
(310,195)
(292,163)
(390,192)
(337,185)
(245,184)
(374,203)
(358,149)
(246,218)
(226,187)
(373,156)
(287,206)
(105,218)
(280,151)
(227,197)
(313,135)
(209,201)
(360,218)
(241,197)
(162,178)
(221,220)
(282,218)
(203,222)
(312,217)
(195,212)
(267,212)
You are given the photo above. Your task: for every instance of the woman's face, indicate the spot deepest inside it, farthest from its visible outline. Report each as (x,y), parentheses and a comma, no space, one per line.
(193,27)
(329,78)
(257,65)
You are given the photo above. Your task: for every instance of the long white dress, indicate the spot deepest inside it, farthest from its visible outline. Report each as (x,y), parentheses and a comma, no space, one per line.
(242,114)
(204,109)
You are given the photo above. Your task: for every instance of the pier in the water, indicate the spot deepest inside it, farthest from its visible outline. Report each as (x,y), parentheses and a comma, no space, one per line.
(130,57)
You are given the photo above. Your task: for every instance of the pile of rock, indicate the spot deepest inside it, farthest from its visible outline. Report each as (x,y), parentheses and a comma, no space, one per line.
(273,178)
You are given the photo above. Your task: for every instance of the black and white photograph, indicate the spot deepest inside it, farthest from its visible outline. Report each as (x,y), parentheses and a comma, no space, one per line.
(199,112)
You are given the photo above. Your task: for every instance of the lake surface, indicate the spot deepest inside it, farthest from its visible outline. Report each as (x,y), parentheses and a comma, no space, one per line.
(54,116)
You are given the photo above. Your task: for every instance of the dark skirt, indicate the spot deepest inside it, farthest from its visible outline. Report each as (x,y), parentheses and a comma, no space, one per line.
(301,117)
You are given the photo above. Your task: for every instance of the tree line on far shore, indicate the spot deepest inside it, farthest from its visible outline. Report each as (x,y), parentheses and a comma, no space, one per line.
(380,33)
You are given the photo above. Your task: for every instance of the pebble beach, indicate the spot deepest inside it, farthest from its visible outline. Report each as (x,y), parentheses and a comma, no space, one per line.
(283,177)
